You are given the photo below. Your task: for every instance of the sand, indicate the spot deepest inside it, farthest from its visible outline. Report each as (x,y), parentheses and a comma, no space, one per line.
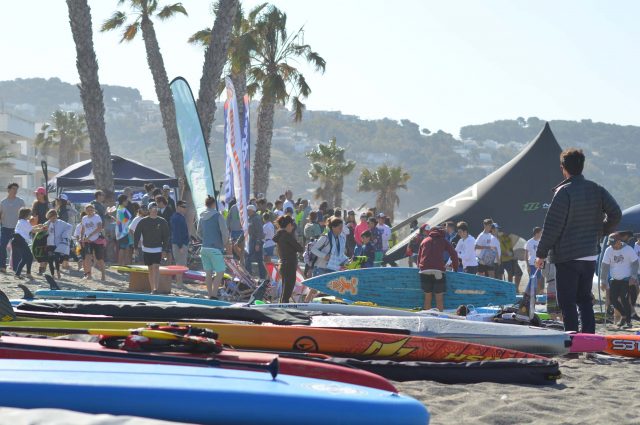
(591,391)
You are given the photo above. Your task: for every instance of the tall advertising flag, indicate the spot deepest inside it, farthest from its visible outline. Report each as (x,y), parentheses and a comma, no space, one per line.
(233,141)
(246,147)
(228,174)
(197,165)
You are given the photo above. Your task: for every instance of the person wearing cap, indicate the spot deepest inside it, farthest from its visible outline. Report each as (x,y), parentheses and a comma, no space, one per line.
(580,212)
(487,250)
(385,235)
(179,236)
(9,212)
(432,266)
(166,192)
(40,206)
(465,248)
(620,265)
(253,247)
(153,232)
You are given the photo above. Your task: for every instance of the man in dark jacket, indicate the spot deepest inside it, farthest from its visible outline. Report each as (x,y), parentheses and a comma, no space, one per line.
(580,213)
(432,266)
(154,233)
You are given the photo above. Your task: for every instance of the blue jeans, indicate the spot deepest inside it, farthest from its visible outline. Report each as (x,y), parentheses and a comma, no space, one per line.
(6,234)
(574,282)
(255,257)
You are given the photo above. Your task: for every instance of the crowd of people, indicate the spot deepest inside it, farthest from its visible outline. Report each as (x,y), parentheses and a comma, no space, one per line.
(156,230)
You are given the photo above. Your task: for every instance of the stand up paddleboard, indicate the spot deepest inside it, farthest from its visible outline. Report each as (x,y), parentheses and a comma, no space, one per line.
(125,296)
(400,287)
(199,395)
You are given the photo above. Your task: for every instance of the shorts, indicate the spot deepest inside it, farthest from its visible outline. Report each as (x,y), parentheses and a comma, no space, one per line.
(95,249)
(430,284)
(235,235)
(512,267)
(179,254)
(125,242)
(212,260)
(268,252)
(471,269)
(151,258)
(484,269)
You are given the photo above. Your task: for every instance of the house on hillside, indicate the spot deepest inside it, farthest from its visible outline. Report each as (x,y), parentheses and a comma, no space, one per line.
(17,136)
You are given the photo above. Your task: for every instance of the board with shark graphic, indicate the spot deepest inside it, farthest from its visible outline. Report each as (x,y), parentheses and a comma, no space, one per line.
(400,287)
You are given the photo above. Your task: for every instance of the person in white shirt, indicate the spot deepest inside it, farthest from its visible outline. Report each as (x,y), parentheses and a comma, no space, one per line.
(620,265)
(385,231)
(20,249)
(466,249)
(531,247)
(288,203)
(487,250)
(93,243)
(269,230)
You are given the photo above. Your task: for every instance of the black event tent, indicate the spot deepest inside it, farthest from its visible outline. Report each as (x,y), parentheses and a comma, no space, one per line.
(125,173)
(630,219)
(516,195)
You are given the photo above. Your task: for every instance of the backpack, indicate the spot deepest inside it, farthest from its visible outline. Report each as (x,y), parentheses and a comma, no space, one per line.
(309,257)
(39,247)
(487,257)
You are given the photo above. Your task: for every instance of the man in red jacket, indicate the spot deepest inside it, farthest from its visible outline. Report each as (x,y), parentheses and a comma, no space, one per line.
(432,267)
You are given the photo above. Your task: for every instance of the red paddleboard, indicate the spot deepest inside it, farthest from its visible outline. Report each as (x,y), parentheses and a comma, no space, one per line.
(623,345)
(52,349)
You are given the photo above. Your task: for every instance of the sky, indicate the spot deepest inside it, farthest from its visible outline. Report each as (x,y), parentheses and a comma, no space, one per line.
(441,64)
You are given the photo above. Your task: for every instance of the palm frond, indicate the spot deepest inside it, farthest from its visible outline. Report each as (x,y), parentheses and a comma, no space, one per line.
(171,10)
(201,37)
(302,86)
(318,62)
(115,21)
(130,32)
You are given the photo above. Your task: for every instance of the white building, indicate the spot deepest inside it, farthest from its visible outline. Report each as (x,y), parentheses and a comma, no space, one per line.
(17,136)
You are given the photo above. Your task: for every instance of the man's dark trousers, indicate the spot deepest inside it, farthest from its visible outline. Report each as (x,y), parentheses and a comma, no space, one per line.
(6,234)
(574,282)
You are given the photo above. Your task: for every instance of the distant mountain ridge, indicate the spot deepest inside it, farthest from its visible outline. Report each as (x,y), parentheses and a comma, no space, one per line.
(439,163)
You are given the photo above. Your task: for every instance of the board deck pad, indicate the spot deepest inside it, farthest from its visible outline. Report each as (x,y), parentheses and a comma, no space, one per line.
(125,296)
(400,287)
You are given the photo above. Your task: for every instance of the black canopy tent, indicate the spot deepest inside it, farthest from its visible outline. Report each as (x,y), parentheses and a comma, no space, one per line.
(630,219)
(126,173)
(516,195)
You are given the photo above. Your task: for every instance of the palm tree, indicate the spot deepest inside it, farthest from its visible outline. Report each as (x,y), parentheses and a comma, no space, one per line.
(215,56)
(68,131)
(279,82)
(329,166)
(385,181)
(91,94)
(241,45)
(142,13)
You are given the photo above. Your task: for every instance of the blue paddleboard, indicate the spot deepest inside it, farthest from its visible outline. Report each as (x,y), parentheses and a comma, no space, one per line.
(199,395)
(125,296)
(400,287)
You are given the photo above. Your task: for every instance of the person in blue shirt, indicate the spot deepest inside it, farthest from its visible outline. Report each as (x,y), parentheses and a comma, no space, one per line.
(366,250)
(179,236)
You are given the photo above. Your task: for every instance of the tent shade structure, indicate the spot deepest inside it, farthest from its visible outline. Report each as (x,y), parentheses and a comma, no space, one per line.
(630,219)
(516,195)
(126,172)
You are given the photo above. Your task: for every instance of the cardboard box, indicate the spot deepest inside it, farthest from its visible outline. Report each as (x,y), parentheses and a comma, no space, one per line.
(139,282)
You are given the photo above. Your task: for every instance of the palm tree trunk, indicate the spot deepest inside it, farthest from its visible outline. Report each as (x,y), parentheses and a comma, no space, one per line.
(167,108)
(91,94)
(239,80)
(337,192)
(262,158)
(214,59)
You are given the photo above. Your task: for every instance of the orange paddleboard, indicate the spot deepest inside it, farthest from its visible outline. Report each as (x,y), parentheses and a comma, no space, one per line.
(343,343)
(623,345)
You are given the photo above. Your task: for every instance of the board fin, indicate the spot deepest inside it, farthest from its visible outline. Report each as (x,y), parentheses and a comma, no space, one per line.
(6,309)
(53,285)
(26,292)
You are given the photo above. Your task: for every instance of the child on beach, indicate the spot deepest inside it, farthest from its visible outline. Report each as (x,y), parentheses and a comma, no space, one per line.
(20,244)
(77,237)
(366,250)
(620,264)
(59,233)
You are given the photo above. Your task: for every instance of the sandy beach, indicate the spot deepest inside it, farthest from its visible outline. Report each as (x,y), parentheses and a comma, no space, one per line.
(591,391)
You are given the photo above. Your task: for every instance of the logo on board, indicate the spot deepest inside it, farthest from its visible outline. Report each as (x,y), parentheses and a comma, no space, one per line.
(534,206)
(389,349)
(342,285)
